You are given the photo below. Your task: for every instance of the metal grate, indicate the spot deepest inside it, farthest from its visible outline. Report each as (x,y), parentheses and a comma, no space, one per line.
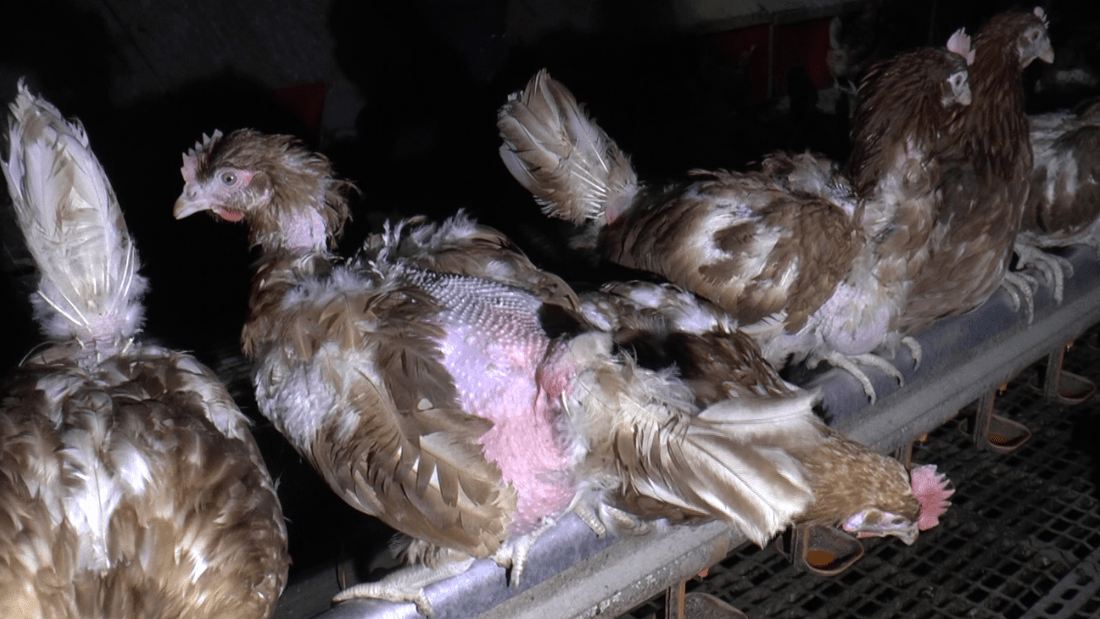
(1021,540)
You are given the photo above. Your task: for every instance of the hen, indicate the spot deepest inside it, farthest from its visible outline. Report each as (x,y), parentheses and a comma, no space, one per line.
(445,385)
(1063,205)
(665,327)
(788,253)
(985,160)
(129,483)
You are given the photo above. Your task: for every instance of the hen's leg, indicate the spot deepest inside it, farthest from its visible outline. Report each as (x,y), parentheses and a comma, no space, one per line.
(915,349)
(849,364)
(1054,268)
(1021,287)
(407,584)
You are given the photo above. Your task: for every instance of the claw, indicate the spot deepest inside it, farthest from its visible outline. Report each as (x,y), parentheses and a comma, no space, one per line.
(915,349)
(848,364)
(1021,287)
(407,584)
(1055,269)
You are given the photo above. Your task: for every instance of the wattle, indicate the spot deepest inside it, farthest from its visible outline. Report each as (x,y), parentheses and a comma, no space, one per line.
(229,214)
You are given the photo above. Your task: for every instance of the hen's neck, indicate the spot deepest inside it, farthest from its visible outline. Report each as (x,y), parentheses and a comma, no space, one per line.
(279,273)
(994,128)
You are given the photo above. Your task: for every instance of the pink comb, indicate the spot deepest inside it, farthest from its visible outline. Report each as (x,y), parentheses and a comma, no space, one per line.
(960,44)
(930,489)
(191,158)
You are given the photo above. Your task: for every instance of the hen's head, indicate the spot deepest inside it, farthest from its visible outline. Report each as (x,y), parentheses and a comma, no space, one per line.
(872,495)
(1033,41)
(1022,33)
(284,192)
(955,88)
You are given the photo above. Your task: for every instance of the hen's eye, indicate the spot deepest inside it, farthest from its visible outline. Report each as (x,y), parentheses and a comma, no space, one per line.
(229,178)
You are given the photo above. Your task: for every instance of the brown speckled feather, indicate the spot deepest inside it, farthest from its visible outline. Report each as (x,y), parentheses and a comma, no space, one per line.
(664,326)
(460,246)
(393,440)
(848,477)
(740,241)
(1064,201)
(986,159)
(130,486)
(187,523)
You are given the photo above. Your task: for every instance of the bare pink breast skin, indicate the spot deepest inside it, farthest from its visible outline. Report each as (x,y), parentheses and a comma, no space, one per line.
(494,349)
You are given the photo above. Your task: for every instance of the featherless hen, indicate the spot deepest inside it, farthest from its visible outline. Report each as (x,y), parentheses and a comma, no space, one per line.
(985,159)
(789,252)
(129,483)
(445,385)
(1063,204)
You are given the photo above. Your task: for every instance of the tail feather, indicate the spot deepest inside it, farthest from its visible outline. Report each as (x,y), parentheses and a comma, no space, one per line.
(731,461)
(551,146)
(89,287)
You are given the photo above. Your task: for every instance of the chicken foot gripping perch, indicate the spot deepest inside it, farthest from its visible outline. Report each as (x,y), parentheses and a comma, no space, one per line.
(130,486)
(813,273)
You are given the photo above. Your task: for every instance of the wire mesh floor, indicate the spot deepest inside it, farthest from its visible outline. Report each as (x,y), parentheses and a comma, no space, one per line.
(1021,539)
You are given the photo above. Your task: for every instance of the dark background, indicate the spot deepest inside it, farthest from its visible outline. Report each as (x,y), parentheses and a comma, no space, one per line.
(402,95)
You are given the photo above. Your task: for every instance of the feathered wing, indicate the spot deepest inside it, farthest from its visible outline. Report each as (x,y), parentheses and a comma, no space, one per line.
(461,246)
(73,227)
(574,170)
(1064,200)
(759,251)
(352,376)
(146,498)
(658,456)
(985,159)
(664,326)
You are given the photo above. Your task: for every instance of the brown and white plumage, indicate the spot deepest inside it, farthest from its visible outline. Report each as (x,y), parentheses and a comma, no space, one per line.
(985,160)
(1063,205)
(445,385)
(788,252)
(853,487)
(129,483)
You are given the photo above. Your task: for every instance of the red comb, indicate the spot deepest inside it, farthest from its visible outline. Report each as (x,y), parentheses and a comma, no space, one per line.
(930,489)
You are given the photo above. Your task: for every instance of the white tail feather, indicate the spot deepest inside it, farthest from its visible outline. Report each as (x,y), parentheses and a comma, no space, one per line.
(731,461)
(89,287)
(574,170)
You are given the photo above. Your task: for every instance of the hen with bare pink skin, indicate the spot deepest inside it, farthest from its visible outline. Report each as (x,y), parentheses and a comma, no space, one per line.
(445,385)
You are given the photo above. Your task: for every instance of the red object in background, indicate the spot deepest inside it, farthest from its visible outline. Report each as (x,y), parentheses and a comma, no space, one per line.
(803,43)
(307,102)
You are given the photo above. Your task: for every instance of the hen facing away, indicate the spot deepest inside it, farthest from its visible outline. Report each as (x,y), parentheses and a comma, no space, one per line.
(130,486)
(790,254)
(985,160)
(443,384)
(1063,205)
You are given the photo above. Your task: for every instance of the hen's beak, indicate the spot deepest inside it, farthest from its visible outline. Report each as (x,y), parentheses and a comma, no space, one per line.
(875,523)
(965,97)
(190,203)
(185,207)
